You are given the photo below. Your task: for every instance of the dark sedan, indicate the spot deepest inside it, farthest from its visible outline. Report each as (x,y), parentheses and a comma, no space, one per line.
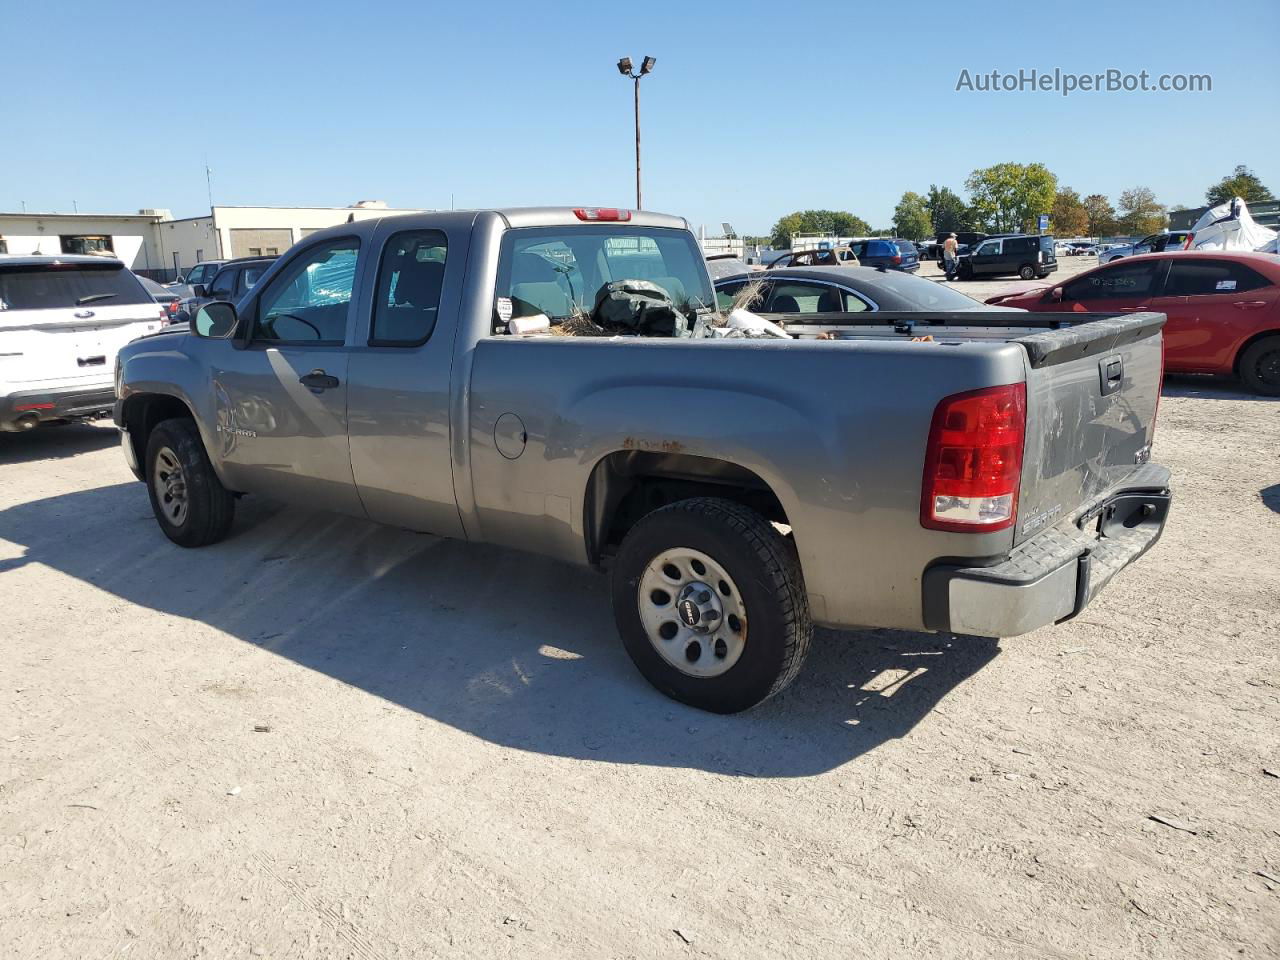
(795,290)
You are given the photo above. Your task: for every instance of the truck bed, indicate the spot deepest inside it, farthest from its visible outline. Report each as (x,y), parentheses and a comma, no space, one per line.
(837,430)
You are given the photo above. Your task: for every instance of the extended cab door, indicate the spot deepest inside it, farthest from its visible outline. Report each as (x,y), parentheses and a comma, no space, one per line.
(281,400)
(398,401)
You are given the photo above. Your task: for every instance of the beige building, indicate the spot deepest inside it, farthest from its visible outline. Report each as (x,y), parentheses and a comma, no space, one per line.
(151,242)
(230,232)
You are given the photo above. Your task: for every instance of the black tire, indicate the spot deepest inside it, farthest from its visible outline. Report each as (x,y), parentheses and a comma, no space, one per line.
(1027,272)
(761,565)
(964,272)
(1260,367)
(209,509)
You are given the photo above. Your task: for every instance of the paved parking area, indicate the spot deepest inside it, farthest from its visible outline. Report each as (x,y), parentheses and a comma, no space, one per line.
(323,738)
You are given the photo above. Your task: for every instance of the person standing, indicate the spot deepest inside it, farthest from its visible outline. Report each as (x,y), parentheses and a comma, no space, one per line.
(950,256)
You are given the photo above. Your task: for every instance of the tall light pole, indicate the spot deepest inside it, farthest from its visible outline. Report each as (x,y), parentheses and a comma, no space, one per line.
(624,68)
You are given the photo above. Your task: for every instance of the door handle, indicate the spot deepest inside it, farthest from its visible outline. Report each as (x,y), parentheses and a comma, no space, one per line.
(1249,304)
(318,380)
(1143,306)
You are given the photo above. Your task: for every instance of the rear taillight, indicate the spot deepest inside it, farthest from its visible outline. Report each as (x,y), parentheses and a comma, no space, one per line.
(602,214)
(1186,244)
(897,258)
(973,462)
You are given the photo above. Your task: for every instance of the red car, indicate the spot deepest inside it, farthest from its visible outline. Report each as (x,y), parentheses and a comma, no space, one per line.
(1223,308)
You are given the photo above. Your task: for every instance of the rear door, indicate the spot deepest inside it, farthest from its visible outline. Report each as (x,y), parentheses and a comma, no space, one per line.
(399,396)
(62,324)
(910,255)
(1213,306)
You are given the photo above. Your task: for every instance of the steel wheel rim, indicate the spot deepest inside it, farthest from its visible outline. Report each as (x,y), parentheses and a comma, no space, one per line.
(692,612)
(170,486)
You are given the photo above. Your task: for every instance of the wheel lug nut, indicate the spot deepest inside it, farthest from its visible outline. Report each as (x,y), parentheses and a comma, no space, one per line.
(704,597)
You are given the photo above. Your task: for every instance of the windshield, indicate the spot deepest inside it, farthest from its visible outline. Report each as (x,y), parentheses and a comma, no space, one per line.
(925,294)
(559,271)
(51,286)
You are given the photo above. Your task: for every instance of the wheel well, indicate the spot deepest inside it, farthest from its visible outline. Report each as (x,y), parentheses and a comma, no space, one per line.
(141,414)
(1235,363)
(627,484)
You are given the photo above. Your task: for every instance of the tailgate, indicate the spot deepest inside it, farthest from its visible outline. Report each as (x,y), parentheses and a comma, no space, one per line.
(1092,391)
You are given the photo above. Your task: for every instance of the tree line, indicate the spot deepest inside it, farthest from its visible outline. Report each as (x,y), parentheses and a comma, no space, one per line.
(1009,197)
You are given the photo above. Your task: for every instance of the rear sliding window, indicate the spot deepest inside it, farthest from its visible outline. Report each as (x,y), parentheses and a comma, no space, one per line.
(57,286)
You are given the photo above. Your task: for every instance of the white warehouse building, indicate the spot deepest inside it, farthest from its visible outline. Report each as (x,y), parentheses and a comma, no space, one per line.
(153,243)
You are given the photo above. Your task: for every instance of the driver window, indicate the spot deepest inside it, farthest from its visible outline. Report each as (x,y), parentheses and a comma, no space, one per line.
(223,287)
(308,302)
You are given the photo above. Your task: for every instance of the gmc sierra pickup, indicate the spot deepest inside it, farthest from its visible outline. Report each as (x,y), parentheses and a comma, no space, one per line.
(983,474)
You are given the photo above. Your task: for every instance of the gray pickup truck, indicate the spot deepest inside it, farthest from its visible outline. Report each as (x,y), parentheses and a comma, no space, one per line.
(982,474)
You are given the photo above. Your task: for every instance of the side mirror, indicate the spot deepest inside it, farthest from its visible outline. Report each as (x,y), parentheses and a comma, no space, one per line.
(214,321)
(198,290)
(179,279)
(1056,294)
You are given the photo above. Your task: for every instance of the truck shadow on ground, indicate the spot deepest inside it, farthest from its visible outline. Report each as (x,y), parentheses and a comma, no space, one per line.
(56,442)
(511,648)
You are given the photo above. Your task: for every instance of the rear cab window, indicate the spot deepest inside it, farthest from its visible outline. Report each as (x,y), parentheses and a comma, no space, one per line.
(64,285)
(560,271)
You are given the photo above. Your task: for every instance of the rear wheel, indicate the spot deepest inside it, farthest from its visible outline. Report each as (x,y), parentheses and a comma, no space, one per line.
(1027,272)
(1260,367)
(689,580)
(187,498)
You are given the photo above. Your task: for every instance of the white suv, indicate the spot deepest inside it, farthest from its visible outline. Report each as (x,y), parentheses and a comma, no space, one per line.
(62,321)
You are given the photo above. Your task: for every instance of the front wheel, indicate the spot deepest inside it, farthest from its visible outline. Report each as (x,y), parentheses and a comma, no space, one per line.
(190,503)
(1260,367)
(710,603)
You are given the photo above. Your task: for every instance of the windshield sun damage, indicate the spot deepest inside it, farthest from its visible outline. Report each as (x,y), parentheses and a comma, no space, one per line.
(560,271)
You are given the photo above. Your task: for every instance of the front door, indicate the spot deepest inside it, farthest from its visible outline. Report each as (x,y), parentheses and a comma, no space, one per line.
(1126,286)
(986,258)
(281,400)
(398,400)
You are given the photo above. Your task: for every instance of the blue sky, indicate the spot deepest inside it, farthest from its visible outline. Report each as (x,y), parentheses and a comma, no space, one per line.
(753,110)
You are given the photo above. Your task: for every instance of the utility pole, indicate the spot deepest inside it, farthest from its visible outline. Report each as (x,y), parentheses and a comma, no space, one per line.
(624,68)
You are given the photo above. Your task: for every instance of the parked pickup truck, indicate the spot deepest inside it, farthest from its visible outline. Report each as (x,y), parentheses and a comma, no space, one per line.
(977,474)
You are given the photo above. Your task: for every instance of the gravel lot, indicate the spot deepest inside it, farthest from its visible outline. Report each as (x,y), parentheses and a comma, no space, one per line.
(323,738)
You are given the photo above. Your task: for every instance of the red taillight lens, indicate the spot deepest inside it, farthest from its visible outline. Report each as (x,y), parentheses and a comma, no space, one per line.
(1186,244)
(602,214)
(897,258)
(973,462)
